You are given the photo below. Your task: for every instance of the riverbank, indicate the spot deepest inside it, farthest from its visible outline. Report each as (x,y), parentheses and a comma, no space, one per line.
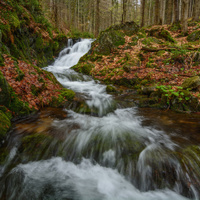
(27,43)
(159,62)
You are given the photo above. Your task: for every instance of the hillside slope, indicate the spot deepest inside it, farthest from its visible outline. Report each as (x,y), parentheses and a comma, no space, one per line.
(155,61)
(27,42)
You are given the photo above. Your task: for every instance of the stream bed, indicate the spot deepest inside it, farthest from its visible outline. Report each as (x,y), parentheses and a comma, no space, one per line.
(100,148)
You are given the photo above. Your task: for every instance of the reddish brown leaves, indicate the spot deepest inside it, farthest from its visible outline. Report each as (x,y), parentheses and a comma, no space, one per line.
(34,88)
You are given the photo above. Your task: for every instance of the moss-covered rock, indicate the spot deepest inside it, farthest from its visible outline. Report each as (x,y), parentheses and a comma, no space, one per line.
(35,146)
(191,83)
(84,68)
(148,90)
(161,34)
(110,89)
(68,94)
(175,26)
(194,36)
(129,28)
(4,124)
(109,40)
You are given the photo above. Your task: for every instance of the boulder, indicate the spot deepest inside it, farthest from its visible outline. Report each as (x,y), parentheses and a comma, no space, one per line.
(194,36)
(111,38)
(161,34)
(148,90)
(192,83)
(4,125)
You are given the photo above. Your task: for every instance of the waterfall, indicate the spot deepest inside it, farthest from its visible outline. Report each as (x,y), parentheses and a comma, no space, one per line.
(108,156)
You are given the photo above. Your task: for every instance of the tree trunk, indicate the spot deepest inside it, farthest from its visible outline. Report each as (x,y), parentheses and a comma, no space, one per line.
(196,11)
(97,18)
(176,11)
(124,4)
(142,12)
(157,12)
(184,19)
(169,9)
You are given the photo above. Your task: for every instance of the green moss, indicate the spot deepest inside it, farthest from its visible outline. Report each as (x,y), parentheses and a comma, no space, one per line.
(150,40)
(194,36)
(3,155)
(161,34)
(20,73)
(6,112)
(175,26)
(84,68)
(191,83)
(17,106)
(108,41)
(34,146)
(68,94)
(110,88)
(4,124)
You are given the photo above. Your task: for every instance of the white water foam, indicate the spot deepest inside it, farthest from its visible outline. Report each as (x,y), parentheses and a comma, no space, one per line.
(85,181)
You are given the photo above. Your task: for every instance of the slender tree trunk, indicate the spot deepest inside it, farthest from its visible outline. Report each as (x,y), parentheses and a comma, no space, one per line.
(176,11)
(157,12)
(185,9)
(142,12)
(196,12)
(169,10)
(97,18)
(124,5)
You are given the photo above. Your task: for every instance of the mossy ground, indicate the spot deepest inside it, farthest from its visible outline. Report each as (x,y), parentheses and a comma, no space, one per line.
(157,55)
(28,41)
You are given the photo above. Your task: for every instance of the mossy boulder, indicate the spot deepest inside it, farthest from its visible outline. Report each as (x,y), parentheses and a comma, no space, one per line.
(194,36)
(35,146)
(161,33)
(4,124)
(129,28)
(148,90)
(109,40)
(65,96)
(84,68)
(175,26)
(191,83)
(110,89)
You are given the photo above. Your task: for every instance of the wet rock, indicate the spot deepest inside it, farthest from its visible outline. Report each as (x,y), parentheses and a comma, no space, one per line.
(148,90)
(110,89)
(194,36)
(192,83)
(4,125)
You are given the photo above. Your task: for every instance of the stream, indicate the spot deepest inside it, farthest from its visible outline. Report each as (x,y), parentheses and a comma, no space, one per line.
(100,147)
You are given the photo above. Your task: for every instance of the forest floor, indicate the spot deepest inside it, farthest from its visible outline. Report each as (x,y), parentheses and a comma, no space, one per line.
(159,56)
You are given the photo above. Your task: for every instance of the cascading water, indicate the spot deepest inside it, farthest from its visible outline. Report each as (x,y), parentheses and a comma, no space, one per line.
(110,156)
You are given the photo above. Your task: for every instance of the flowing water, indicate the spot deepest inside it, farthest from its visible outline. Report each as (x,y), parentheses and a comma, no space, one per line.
(114,151)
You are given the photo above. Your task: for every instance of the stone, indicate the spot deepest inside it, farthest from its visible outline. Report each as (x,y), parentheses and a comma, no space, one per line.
(192,83)
(194,36)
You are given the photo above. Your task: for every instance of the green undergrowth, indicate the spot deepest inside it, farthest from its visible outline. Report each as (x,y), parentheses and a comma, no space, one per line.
(64,96)
(26,33)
